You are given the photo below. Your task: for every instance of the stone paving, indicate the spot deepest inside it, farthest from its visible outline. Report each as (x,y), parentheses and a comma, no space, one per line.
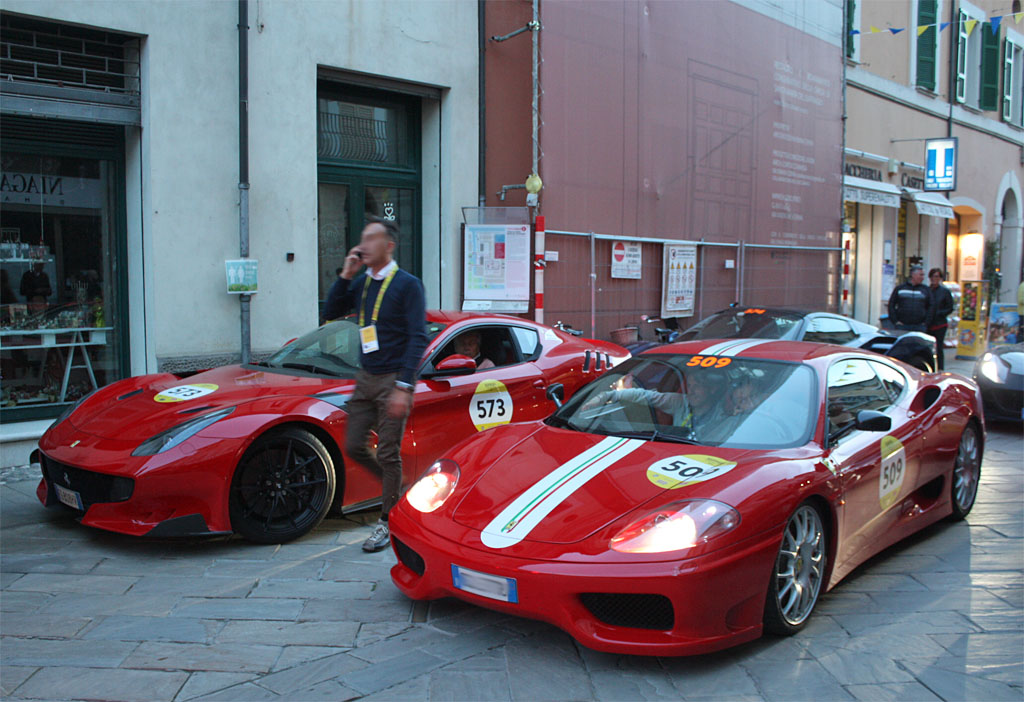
(88,615)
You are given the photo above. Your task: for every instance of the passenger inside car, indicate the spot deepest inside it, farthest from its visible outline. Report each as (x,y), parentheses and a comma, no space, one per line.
(468,344)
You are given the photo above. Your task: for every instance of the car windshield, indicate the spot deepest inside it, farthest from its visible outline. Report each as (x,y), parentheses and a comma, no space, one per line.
(744,323)
(332,349)
(706,400)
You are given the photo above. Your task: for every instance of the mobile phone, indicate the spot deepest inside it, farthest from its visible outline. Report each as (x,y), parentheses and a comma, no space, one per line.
(359,255)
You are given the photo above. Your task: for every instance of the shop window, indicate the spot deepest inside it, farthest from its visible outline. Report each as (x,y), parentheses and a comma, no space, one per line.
(59,253)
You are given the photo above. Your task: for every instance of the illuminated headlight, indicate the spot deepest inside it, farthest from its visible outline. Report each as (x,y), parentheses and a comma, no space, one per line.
(993,368)
(434,487)
(677,526)
(166,440)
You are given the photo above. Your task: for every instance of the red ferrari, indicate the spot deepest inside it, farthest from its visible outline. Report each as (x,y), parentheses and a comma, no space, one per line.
(257,449)
(695,496)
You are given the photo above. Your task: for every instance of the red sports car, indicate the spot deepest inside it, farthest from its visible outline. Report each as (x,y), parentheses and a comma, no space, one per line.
(257,449)
(695,496)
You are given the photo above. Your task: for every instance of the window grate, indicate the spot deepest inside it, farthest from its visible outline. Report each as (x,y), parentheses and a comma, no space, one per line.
(65,56)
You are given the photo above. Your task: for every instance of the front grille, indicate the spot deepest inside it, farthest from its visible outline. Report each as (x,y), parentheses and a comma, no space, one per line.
(634,611)
(92,486)
(409,558)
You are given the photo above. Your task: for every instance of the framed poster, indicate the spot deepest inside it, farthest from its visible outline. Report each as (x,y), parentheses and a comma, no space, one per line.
(496,267)
(679,280)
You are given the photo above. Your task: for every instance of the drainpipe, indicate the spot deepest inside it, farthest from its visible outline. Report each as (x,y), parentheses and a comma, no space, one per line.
(954,42)
(481,86)
(243,169)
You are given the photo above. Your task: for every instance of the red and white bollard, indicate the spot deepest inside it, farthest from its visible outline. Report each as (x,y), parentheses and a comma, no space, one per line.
(538,270)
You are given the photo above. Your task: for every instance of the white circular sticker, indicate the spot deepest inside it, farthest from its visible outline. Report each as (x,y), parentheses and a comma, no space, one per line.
(894,469)
(680,471)
(180,393)
(491,405)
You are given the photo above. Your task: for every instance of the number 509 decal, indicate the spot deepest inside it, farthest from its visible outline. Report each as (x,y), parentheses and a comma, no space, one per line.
(893,470)
(709,361)
(490,405)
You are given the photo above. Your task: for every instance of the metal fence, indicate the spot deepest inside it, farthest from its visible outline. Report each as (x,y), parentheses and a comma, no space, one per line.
(580,291)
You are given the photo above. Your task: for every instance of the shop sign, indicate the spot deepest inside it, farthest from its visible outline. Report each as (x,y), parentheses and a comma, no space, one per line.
(940,162)
(51,190)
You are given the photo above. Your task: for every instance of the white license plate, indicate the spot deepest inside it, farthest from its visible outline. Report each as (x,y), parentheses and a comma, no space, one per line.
(69,497)
(493,587)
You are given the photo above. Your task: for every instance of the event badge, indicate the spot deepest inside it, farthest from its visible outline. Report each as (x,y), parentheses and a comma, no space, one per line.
(368,337)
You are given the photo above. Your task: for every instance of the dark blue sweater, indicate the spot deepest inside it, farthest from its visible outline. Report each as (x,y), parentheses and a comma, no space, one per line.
(401,324)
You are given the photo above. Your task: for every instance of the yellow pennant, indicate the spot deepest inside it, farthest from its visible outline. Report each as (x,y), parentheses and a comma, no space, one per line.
(922,28)
(970,26)
(1018,17)
(875,30)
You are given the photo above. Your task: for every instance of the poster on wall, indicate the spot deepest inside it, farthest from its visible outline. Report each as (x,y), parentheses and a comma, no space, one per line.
(1004,324)
(679,280)
(496,267)
(627,260)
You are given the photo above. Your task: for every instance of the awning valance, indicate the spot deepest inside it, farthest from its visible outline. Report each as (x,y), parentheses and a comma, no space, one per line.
(870,192)
(931,204)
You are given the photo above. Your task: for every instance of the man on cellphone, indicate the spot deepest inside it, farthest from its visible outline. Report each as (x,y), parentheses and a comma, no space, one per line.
(390,306)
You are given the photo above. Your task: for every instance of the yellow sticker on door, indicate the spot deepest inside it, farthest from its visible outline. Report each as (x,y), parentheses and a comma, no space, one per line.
(491,405)
(680,471)
(894,469)
(180,393)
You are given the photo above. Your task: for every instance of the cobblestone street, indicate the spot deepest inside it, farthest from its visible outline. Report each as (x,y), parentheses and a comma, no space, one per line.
(91,615)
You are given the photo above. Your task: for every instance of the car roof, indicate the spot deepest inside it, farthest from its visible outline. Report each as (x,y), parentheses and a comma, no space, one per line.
(792,351)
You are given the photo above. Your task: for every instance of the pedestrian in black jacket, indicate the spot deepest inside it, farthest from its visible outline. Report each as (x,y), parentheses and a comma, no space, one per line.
(910,303)
(393,332)
(942,307)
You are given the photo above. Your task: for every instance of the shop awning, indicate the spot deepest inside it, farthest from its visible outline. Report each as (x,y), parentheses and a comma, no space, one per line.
(931,204)
(870,192)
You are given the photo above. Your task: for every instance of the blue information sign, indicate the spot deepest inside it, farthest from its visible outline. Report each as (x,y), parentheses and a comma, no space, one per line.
(243,276)
(940,162)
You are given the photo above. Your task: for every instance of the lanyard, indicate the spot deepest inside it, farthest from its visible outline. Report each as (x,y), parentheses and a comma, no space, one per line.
(377,302)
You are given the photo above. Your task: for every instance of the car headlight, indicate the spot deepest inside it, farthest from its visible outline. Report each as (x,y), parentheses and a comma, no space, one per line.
(676,526)
(71,410)
(993,368)
(434,487)
(166,440)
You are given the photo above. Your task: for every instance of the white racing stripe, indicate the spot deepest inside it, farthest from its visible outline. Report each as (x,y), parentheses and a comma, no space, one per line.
(525,512)
(743,346)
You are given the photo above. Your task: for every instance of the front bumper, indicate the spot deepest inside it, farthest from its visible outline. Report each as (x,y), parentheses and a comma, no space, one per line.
(1002,401)
(665,608)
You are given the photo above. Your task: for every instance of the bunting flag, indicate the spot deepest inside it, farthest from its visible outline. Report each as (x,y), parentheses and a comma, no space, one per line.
(994,22)
(1018,17)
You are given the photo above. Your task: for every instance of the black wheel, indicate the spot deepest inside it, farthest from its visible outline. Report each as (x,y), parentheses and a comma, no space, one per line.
(922,364)
(798,573)
(966,473)
(282,487)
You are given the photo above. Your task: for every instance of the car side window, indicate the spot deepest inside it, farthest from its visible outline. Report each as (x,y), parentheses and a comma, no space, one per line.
(892,379)
(853,386)
(491,346)
(829,330)
(529,342)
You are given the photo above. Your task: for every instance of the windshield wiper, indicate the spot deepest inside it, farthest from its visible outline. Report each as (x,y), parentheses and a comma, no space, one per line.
(557,421)
(656,435)
(308,367)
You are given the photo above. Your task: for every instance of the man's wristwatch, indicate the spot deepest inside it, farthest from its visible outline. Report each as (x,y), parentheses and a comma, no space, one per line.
(405,387)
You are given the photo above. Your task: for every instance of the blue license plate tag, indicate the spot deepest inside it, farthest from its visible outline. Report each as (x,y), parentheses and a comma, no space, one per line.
(494,587)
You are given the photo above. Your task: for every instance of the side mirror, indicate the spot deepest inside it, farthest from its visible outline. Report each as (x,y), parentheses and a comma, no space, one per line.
(455,365)
(556,393)
(869,420)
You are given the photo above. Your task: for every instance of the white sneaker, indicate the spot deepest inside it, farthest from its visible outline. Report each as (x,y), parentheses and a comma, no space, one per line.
(379,540)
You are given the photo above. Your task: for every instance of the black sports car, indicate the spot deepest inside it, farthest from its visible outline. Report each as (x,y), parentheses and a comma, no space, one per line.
(738,322)
(1000,375)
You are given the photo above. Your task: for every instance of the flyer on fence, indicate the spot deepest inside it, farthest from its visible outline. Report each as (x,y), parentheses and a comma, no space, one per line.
(679,287)
(497,266)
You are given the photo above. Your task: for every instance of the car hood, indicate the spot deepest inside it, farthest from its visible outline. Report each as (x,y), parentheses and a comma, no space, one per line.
(557,486)
(144,406)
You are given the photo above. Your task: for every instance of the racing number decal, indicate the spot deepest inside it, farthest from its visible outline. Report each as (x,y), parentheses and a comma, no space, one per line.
(894,468)
(709,361)
(491,405)
(180,393)
(680,471)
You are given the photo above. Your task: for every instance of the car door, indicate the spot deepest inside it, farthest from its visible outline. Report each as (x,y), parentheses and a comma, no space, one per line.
(450,408)
(876,469)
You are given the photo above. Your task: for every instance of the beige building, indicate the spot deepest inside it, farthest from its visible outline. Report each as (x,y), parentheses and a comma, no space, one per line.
(955,70)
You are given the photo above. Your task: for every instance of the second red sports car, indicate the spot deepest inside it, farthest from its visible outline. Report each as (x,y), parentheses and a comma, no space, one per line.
(257,449)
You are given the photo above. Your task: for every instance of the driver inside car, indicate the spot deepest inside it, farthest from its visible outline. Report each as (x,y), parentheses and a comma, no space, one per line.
(468,344)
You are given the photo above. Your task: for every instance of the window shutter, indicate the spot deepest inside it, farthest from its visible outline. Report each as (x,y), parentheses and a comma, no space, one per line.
(927,12)
(989,96)
(1007,80)
(961,57)
(851,6)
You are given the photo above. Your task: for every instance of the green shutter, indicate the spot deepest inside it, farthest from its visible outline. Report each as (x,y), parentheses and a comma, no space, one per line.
(851,6)
(927,13)
(1007,80)
(990,62)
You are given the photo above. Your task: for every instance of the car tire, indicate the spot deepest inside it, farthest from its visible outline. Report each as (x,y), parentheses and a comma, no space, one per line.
(798,573)
(282,487)
(966,475)
(922,364)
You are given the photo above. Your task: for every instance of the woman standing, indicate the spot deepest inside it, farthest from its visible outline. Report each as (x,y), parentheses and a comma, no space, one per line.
(942,306)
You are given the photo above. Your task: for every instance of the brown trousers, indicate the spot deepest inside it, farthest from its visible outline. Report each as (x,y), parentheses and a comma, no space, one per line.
(367,410)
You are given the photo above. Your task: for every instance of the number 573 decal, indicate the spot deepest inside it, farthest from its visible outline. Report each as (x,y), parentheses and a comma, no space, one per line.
(709,361)
(490,405)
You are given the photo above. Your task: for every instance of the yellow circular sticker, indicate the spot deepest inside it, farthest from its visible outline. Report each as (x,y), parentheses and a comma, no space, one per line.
(491,405)
(894,469)
(180,393)
(680,471)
